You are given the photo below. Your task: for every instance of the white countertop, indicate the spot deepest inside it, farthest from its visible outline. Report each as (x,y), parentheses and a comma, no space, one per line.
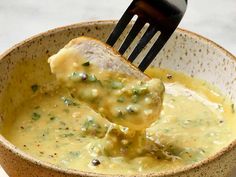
(215,20)
(22,19)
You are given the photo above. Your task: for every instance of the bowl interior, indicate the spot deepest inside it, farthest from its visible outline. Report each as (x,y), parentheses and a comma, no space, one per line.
(26,64)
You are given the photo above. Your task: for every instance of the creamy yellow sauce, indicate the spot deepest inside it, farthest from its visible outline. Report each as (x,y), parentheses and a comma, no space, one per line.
(196,121)
(120,98)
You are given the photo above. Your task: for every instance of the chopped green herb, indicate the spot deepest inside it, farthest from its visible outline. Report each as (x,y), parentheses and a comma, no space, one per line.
(69,102)
(35,116)
(121,99)
(113,84)
(132,109)
(89,122)
(220,106)
(34,87)
(52,118)
(66,110)
(100,83)
(232,107)
(135,98)
(135,91)
(68,135)
(92,78)
(74,153)
(221,121)
(202,150)
(72,95)
(166,130)
(120,114)
(116,85)
(77,76)
(172,99)
(140,90)
(86,63)
(62,123)
(36,107)
(90,127)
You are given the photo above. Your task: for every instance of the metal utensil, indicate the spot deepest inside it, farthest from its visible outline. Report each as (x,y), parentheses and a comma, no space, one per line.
(161,15)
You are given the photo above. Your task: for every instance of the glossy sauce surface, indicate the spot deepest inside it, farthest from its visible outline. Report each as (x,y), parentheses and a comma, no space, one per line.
(121,98)
(196,121)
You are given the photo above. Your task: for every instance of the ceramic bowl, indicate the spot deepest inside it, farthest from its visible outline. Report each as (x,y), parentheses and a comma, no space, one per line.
(185,51)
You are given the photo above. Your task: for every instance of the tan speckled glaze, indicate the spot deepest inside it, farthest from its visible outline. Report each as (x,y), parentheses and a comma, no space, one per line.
(185,51)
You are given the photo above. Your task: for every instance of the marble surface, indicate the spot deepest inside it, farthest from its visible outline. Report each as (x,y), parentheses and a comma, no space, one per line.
(22,19)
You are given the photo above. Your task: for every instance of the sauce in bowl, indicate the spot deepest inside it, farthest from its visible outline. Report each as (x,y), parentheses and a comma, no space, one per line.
(196,121)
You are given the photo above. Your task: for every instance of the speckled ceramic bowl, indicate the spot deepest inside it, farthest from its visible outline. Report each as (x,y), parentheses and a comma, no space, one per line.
(185,51)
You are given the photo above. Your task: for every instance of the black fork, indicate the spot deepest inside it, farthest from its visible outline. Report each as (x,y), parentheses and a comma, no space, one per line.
(161,15)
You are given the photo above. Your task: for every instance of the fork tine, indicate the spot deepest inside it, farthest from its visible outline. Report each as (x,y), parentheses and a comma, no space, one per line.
(150,32)
(157,46)
(121,25)
(138,25)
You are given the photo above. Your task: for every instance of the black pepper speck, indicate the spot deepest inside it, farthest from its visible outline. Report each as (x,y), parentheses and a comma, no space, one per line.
(96,162)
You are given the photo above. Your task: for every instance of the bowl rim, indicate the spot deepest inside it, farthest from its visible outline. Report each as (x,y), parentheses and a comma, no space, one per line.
(12,148)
